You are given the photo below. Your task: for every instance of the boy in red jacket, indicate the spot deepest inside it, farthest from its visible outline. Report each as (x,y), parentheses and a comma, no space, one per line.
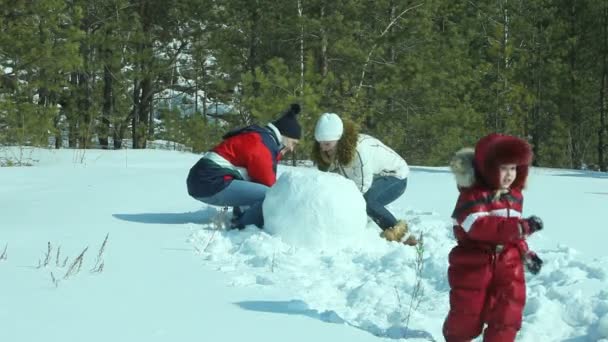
(240,169)
(486,267)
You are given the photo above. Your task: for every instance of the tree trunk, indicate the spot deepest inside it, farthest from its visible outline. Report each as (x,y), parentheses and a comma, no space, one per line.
(150,111)
(196,90)
(301,90)
(300,16)
(603,131)
(70,109)
(252,61)
(108,92)
(145,110)
(506,107)
(324,43)
(85,84)
(575,118)
(84,110)
(392,57)
(205,89)
(118,134)
(143,90)
(58,133)
(537,109)
(108,105)
(537,112)
(142,108)
(135,116)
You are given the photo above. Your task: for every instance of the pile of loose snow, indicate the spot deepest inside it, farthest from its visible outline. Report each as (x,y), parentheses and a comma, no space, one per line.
(317,210)
(602,326)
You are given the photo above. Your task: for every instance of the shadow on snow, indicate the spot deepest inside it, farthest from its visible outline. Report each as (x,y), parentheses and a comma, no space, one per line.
(298,307)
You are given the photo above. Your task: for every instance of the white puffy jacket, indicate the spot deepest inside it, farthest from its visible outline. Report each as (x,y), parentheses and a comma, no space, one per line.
(371,158)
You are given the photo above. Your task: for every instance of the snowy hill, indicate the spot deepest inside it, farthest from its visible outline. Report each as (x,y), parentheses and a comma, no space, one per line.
(169,275)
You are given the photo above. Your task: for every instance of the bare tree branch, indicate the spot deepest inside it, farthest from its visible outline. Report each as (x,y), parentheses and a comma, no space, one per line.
(371,51)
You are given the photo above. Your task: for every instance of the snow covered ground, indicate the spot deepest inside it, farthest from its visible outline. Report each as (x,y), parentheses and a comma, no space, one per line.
(169,275)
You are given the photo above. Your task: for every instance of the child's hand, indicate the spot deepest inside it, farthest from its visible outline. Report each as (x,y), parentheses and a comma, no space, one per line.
(535,223)
(532,262)
(531,225)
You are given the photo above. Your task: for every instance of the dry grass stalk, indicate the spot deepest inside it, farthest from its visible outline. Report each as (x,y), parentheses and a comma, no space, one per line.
(79,266)
(99,260)
(47,258)
(272,263)
(103,247)
(55,281)
(209,241)
(398,298)
(76,264)
(418,292)
(220,220)
(4,256)
(57,256)
(99,268)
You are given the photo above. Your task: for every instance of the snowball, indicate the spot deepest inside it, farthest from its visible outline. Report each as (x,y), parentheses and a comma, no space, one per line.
(602,326)
(316,210)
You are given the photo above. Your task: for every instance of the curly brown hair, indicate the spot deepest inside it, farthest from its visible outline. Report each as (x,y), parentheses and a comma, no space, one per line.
(346,147)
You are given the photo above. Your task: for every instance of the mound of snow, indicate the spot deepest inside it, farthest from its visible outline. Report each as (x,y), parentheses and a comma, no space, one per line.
(602,326)
(316,210)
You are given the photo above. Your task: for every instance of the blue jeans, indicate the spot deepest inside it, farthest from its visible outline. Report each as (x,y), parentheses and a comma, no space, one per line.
(242,193)
(384,190)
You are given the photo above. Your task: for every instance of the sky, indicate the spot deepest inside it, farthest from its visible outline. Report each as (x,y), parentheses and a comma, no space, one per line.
(318,272)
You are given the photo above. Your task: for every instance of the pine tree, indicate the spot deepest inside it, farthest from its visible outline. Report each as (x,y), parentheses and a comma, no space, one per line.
(38,49)
(603,98)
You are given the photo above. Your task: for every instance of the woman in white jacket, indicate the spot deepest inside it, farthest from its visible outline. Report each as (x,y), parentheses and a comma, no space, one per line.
(378,171)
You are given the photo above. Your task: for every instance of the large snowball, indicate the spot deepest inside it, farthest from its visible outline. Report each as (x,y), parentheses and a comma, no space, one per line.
(316,210)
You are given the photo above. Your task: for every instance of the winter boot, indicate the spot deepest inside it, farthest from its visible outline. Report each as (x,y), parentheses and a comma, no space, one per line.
(237,212)
(399,232)
(396,232)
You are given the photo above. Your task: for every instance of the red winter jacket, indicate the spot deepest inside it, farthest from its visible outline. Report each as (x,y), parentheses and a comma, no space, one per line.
(486,271)
(486,221)
(249,153)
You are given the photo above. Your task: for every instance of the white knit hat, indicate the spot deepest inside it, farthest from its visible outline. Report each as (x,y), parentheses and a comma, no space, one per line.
(329,127)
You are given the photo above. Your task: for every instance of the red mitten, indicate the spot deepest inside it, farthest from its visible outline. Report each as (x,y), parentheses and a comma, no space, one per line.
(531,225)
(532,262)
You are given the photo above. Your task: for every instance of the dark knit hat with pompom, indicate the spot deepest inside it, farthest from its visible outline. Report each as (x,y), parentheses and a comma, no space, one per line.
(288,123)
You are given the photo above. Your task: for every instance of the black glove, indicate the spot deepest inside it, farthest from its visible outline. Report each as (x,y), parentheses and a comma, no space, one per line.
(531,225)
(533,263)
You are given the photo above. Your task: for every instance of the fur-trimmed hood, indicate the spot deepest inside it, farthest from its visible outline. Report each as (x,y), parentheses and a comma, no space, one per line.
(462,167)
(346,147)
(480,166)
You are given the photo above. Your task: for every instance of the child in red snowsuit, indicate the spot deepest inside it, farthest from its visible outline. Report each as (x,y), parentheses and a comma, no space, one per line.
(486,267)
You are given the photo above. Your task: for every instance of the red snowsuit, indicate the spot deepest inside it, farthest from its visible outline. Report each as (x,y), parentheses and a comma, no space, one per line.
(486,271)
